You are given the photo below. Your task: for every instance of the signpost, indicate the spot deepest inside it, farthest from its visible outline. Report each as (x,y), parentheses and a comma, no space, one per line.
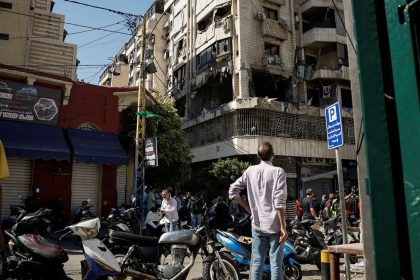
(151,153)
(335,140)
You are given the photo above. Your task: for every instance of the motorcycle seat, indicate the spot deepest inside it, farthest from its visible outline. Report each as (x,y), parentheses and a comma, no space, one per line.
(42,248)
(138,239)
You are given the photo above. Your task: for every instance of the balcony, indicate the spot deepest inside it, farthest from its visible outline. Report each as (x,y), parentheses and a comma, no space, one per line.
(274,65)
(278,2)
(263,122)
(319,37)
(273,28)
(339,74)
(218,30)
(310,6)
(204,7)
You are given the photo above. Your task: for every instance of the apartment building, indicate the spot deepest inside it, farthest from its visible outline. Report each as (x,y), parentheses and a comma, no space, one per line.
(32,37)
(242,72)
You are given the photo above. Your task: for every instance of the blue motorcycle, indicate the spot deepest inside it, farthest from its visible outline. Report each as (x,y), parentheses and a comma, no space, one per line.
(240,249)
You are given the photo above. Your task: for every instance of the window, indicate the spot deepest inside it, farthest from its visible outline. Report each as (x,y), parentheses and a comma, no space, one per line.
(310,60)
(224,46)
(5,5)
(179,77)
(271,14)
(342,55)
(346,98)
(204,59)
(4,36)
(271,49)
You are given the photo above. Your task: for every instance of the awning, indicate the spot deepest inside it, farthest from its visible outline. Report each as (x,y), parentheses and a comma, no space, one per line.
(97,147)
(34,141)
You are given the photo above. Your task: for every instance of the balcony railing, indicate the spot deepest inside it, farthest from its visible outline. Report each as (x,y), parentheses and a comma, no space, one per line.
(273,28)
(260,122)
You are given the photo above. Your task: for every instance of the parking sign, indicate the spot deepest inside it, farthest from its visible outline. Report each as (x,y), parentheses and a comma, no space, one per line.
(334,127)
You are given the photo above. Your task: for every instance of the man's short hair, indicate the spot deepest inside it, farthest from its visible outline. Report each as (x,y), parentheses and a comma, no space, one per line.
(265,151)
(309,191)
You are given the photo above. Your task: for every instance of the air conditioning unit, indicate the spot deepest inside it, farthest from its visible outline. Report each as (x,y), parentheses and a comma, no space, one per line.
(320,160)
(331,161)
(310,159)
(260,16)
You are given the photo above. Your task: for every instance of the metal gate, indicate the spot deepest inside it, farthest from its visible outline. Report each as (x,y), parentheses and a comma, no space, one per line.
(84,185)
(121,184)
(18,182)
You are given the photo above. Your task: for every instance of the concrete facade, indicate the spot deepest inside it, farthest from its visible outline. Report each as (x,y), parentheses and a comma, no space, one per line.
(32,37)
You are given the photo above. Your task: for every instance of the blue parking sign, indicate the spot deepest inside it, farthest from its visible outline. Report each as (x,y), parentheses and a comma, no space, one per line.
(334,127)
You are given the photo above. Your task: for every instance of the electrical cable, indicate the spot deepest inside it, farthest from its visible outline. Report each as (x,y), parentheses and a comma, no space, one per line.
(68,34)
(344,26)
(106,9)
(97,39)
(69,23)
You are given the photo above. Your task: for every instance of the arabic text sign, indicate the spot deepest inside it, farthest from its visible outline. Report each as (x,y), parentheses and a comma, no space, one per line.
(150,152)
(334,127)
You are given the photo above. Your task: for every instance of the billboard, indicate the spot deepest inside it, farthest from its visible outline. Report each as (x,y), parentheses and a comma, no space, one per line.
(27,103)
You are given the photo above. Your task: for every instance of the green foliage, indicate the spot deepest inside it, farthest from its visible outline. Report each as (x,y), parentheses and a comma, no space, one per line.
(174,155)
(228,170)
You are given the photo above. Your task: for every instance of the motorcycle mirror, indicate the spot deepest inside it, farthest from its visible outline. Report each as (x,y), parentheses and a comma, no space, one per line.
(37,190)
(19,196)
(88,200)
(133,199)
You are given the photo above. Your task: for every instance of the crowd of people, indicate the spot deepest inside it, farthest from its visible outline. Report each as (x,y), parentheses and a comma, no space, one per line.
(311,208)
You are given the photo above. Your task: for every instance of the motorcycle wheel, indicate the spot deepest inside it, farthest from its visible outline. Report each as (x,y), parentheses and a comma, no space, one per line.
(292,272)
(213,271)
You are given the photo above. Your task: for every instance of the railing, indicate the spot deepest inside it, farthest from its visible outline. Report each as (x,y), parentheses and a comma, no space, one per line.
(247,122)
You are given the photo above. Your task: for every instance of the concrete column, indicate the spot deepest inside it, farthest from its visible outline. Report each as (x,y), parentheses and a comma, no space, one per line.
(360,145)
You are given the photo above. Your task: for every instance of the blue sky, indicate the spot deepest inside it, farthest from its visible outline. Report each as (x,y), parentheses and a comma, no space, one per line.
(97,53)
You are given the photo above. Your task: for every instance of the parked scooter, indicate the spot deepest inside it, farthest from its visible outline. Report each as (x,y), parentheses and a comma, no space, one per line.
(308,242)
(33,256)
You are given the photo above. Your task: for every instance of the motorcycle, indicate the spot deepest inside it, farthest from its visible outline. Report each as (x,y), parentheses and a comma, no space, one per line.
(33,256)
(27,205)
(308,241)
(240,249)
(165,258)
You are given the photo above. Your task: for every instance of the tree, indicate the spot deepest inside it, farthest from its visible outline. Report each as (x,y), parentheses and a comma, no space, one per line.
(174,155)
(228,170)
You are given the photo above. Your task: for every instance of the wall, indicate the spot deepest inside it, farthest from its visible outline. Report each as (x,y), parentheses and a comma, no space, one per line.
(13,51)
(109,191)
(94,104)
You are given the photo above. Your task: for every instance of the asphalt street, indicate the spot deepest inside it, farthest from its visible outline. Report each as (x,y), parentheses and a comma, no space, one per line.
(72,267)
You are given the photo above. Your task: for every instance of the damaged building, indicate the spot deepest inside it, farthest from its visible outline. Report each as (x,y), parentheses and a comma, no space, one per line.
(243,72)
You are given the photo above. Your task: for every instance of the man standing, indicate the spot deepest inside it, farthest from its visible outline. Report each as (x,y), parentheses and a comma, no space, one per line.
(150,198)
(267,193)
(308,206)
(169,209)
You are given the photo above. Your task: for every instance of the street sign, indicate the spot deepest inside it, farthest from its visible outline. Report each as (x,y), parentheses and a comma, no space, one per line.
(151,153)
(334,127)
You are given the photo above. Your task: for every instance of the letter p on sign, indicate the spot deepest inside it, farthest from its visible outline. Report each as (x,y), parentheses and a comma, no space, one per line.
(332,114)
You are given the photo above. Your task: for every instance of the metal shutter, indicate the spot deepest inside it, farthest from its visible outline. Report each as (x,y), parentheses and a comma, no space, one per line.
(19,182)
(84,185)
(121,184)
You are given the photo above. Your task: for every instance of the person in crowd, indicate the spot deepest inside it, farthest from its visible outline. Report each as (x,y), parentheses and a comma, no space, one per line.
(324,201)
(196,208)
(308,206)
(299,210)
(169,209)
(221,213)
(317,205)
(150,199)
(267,193)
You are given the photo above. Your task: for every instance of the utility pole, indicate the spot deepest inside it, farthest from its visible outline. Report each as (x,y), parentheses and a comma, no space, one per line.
(139,169)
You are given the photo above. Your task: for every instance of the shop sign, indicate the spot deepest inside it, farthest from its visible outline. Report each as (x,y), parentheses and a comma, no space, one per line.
(27,103)
(151,153)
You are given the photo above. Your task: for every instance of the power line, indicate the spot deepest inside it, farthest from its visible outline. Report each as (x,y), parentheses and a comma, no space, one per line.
(344,26)
(100,38)
(103,8)
(69,23)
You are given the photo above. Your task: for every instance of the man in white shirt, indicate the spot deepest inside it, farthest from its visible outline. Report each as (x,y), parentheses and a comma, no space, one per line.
(267,193)
(169,209)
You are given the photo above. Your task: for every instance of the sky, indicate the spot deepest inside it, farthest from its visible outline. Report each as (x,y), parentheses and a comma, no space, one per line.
(98,52)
